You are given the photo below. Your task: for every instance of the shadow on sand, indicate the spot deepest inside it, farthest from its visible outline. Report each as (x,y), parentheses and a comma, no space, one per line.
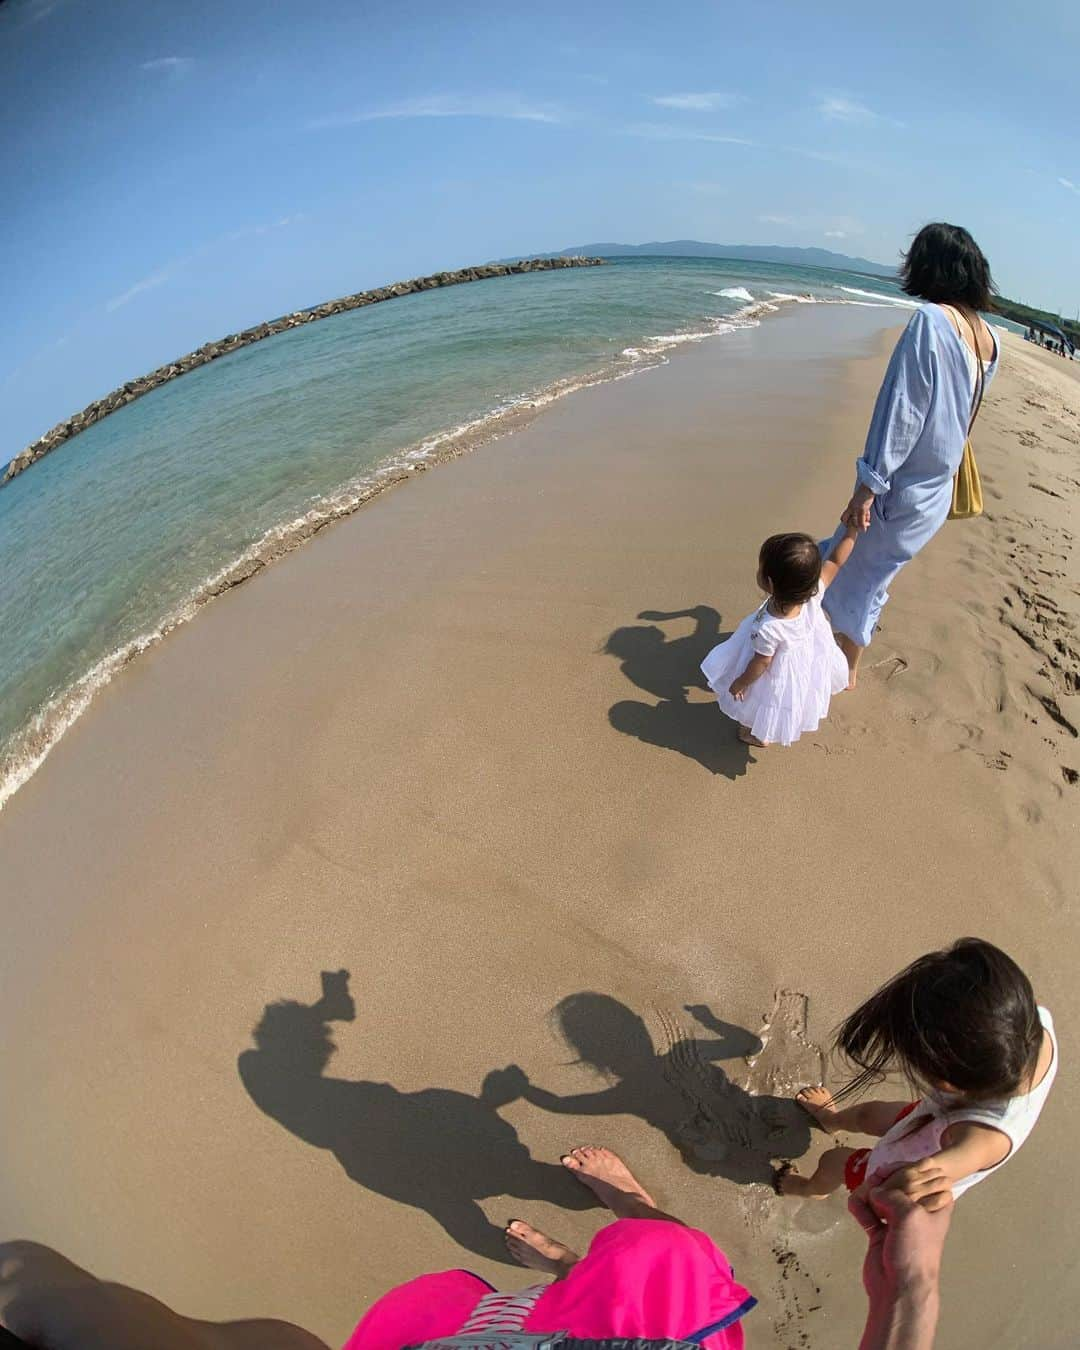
(724,1124)
(438,1150)
(668,668)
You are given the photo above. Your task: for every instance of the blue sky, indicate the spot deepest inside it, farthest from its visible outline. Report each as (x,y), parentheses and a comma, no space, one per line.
(170,173)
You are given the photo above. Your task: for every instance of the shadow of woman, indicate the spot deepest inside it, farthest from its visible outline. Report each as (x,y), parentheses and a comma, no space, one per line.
(668,668)
(437,1149)
(718,1125)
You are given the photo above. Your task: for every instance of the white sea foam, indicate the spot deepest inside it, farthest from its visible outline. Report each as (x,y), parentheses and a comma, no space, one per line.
(880,298)
(734,293)
(792,299)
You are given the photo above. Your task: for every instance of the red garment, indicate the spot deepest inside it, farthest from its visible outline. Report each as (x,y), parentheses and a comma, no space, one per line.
(855,1167)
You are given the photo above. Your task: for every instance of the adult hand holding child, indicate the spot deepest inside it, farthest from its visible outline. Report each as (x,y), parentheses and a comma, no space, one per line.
(858,511)
(902,1267)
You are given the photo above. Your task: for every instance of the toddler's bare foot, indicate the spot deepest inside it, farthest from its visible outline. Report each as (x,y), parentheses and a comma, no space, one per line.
(537,1251)
(748,738)
(609,1178)
(782,1173)
(818,1102)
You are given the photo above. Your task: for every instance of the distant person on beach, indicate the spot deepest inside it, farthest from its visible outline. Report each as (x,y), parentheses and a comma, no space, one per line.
(964,1027)
(644,1276)
(945,358)
(777,673)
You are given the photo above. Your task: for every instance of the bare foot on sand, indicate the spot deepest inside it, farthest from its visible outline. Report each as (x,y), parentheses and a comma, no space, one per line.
(818,1102)
(781,1174)
(853,652)
(748,738)
(609,1178)
(536,1250)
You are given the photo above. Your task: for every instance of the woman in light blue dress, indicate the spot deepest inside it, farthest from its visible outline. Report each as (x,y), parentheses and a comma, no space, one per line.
(946,356)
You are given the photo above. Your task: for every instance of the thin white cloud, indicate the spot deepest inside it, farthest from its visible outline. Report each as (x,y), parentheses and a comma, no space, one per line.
(147,284)
(707,102)
(1068,183)
(34,11)
(832,227)
(168,65)
(508,107)
(841,108)
(168,271)
(661,131)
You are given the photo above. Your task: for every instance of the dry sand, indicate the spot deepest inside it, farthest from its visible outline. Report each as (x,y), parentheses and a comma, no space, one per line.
(406,752)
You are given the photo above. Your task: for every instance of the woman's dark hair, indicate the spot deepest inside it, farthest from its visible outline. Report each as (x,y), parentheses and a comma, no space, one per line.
(965,1016)
(791,564)
(945,264)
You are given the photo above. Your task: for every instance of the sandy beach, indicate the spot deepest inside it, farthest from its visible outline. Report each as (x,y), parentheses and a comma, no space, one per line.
(455,747)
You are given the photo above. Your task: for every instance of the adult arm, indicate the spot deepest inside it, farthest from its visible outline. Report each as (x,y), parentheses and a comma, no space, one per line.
(902,1269)
(899,416)
(51,1304)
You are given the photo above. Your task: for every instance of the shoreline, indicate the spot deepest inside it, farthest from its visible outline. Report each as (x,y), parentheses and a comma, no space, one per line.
(21,758)
(459,751)
(233,342)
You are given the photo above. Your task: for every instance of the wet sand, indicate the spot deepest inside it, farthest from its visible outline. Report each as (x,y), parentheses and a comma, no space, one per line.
(441,748)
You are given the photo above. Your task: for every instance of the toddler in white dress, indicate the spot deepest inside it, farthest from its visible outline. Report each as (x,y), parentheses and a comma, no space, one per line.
(778,671)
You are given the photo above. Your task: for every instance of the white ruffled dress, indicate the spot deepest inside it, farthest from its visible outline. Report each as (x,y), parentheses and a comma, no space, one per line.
(793,695)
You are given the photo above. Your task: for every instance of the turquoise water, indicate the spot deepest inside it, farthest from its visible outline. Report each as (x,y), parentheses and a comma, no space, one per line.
(116,537)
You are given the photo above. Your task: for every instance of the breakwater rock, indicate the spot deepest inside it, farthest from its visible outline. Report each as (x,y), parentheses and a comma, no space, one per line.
(210,351)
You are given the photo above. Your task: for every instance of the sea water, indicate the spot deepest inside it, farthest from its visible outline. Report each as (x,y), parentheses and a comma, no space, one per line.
(128,528)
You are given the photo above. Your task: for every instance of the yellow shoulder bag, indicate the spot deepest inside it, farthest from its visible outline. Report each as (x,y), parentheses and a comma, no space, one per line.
(967,497)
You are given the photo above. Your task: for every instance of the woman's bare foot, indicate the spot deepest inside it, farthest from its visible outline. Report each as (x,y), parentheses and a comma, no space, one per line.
(609,1178)
(536,1250)
(748,738)
(818,1102)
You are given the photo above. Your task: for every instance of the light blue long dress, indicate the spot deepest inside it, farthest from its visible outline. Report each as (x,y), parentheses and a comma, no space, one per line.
(913,450)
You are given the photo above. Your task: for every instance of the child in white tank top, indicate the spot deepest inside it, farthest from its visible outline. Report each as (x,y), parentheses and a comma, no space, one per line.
(962,1024)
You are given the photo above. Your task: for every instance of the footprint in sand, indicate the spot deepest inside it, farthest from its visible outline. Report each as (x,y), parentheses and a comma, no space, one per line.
(799,1297)
(889,667)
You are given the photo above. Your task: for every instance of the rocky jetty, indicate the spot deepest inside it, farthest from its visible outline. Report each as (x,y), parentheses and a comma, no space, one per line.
(210,351)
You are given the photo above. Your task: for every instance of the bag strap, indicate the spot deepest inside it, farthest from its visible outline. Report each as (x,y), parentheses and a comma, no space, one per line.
(980,382)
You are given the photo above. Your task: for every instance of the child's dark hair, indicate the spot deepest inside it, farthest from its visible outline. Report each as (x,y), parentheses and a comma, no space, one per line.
(965,1016)
(791,564)
(945,264)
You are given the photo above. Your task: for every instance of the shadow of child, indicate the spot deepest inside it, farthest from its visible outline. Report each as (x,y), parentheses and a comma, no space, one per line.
(668,668)
(720,1128)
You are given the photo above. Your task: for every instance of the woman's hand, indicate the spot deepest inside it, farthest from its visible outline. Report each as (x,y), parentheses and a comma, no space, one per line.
(857,512)
(901,1269)
(738,688)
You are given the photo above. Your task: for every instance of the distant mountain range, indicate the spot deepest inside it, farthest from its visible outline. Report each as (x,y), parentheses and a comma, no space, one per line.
(693,248)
